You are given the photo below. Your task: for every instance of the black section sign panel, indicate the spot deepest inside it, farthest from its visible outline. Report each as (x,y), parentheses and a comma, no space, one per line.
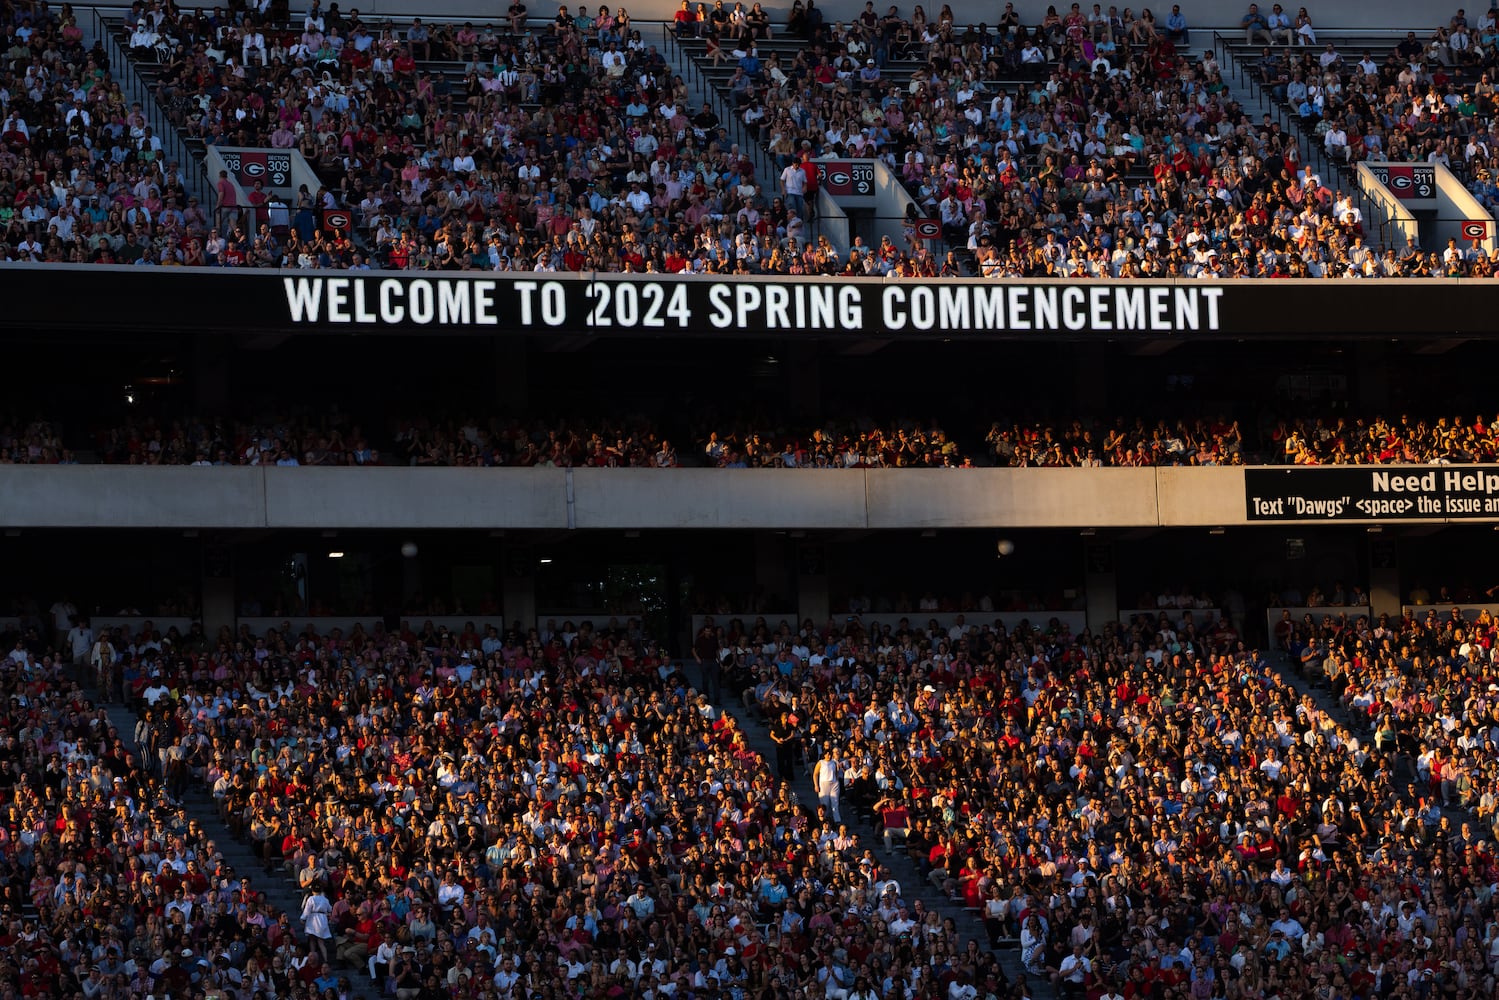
(278,169)
(1373,493)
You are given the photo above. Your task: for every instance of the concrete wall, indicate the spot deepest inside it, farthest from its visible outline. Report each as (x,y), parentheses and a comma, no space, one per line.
(1011,498)
(719,498)
(99,496)
(115,496)
(1456,206)
(404,498)
(1401,220)
(1200,497)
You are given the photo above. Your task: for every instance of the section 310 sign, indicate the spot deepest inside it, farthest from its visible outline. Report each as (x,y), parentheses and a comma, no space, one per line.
(1372,493)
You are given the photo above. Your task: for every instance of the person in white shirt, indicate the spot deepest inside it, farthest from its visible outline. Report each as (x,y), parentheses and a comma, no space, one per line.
(1072,973)
(143,40)
(63,612)
(252,47)
(962,988)
(623,966)
(379,962)
(827,784)
(613,61)
(450,893)
(1280,26)
(507,977)
(315,922)
(80,641)
(1336,142)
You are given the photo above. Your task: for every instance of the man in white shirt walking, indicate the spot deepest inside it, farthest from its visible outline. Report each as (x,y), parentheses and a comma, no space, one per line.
(828,783)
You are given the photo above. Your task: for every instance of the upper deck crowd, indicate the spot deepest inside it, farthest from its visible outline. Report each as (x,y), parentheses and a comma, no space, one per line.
(1081,144)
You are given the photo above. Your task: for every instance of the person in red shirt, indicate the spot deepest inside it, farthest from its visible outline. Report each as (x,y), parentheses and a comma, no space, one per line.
(895,819)
(685,20)
(810,191)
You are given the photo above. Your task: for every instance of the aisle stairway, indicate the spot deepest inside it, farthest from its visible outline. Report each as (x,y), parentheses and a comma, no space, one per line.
(914,884)
(276,888)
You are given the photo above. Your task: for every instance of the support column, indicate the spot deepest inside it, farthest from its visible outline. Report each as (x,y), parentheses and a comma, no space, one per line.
(1373,374)
(217,596)
(772,572)
(210,374)
(1100,584)
(812,598)
(511,367)
(1090,381)
(1384,577)
(519,601)
(803,368)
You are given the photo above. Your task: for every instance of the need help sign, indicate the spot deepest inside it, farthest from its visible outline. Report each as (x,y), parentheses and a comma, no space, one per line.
(1369,493)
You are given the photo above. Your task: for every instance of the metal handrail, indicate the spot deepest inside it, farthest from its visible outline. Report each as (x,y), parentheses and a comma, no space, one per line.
(1312,151)
(738,131)
(194,170)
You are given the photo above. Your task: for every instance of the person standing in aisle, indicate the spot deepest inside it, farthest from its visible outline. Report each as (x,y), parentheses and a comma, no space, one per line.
(783,735)
(827,782)
(315,921)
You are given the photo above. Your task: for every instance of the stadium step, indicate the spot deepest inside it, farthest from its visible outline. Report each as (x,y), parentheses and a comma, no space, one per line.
(276,888)
(914,884)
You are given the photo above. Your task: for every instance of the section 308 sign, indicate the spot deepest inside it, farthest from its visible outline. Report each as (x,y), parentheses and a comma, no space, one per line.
(1373,493)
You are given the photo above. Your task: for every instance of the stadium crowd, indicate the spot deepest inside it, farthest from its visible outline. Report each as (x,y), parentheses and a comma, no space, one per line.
(1425,687)
(567,145)
(512,817)
(1153,811)
(1427,100)
(1149,811)
(110,889)
(335,439)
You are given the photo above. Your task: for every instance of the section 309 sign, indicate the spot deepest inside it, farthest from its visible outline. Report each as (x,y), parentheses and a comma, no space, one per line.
(1373,493)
